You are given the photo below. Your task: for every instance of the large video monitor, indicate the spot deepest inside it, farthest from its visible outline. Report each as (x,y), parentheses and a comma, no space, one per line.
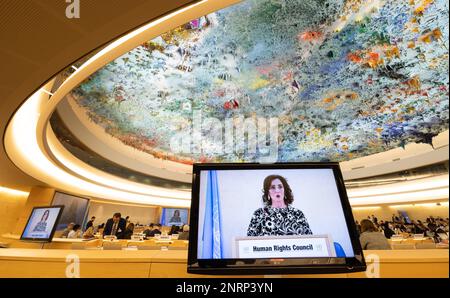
(174,217)
(42,223)
(271,219)
(75,209)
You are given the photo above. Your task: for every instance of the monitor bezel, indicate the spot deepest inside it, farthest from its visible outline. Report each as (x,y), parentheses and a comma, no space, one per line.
(52,233)
(270,266)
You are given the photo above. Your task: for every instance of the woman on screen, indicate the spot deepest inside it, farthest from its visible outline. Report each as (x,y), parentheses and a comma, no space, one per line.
(176,216)
(41,226)
(277,217)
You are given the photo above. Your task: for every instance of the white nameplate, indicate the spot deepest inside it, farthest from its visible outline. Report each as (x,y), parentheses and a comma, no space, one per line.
(282,247)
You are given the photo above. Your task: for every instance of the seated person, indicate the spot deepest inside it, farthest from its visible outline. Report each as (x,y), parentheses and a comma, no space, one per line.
(76,232)
(185,234)
(128,231)
(440,229)
(89,233)
(149,232)
(388,232)
(90,223)
(99,228)
(153,230)
(174,230)
(67,230)
(371,238)
(157,230)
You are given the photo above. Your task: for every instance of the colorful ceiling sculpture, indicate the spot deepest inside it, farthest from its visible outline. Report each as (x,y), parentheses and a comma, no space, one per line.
(344,79)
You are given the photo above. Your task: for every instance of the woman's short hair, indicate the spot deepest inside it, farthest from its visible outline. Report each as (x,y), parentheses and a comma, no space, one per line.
(368,226)
(288,196)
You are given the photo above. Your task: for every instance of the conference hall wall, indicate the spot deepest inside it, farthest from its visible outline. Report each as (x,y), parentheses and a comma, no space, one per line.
(415,212)
(138,214)
(11,207)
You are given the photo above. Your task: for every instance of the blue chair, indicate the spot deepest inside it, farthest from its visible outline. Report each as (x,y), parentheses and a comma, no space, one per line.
(339,250)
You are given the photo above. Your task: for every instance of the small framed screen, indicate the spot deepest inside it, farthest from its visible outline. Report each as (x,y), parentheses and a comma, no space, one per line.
(75,209)
(42,223)
(271,218)
(174,217)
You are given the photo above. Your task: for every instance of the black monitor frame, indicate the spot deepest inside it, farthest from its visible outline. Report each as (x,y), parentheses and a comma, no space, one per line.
(49,239)
(273,266)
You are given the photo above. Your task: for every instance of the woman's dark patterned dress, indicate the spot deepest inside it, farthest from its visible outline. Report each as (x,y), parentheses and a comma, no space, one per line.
(40,227)
(270,221)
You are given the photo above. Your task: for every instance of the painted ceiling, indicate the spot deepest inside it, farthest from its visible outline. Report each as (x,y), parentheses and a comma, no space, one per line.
(344,79)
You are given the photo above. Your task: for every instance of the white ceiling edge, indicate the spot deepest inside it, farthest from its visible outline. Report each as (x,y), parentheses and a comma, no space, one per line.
(408,186)
(399,159)
(94,136)
(25,138)
(23,148)
(94,175)
(410,197)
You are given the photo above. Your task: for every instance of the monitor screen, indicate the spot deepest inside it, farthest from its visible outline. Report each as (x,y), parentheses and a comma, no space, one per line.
(75,209)
(273,218)
(174,216)
(42,223)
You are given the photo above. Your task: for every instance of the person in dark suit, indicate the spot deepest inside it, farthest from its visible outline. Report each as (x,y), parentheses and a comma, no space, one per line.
(149,232)
(157,230)
(128,231)
(388,232)
(115,226)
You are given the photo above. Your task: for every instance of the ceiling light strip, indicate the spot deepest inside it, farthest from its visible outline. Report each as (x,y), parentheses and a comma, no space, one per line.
(97,176)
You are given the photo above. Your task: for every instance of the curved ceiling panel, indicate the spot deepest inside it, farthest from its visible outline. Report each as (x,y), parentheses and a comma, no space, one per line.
(26,137)
(343,79)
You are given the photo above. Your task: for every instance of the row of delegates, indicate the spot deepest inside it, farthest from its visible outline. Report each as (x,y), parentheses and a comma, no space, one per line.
(436,228)
(183,232)
(153,230)
(384,227)
(74,231)
(116,226)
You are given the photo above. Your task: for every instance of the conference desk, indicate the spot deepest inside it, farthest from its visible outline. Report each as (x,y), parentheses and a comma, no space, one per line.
(16,262)
(13,241)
